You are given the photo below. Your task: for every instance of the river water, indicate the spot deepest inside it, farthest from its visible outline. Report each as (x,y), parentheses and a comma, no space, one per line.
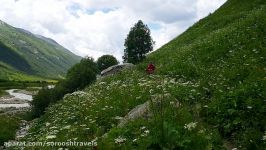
(16,97)
(19,95)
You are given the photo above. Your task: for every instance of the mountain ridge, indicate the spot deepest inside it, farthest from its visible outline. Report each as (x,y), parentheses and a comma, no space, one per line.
(32,54)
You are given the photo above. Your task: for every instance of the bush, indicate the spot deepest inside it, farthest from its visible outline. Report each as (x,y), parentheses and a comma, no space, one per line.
(106,61)
(40,102)
(81,74)
(8,126)
(78,77)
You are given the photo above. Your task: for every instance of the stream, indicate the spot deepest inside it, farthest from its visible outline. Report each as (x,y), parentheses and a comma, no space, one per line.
(15,99)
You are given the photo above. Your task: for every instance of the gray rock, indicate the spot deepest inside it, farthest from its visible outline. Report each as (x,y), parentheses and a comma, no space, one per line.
(139,111)
(143,111)
(115,69)
(22,132)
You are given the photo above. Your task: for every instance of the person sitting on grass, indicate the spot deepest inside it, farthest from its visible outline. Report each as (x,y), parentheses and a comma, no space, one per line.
(150,68)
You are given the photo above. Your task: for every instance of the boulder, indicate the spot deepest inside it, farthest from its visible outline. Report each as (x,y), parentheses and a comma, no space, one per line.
(139,111)
(143,111)
(115,69)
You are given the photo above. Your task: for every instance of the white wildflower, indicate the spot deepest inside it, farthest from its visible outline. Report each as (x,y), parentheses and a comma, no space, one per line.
(139,97)
(172,81)
(201,131)
(147,131)
(193,90)
(135,140)
(53,127)
(249,107)
(190,126)
(78,93)
(120,140)
(151,90)
(118,118)
(264,136)
(143,127)
(93,121)
(66,127)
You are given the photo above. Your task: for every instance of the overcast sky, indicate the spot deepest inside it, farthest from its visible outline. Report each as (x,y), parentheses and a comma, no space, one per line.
(97,27)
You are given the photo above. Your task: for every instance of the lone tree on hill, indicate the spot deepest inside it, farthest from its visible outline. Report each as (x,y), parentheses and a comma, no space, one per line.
(106,61)
(138,43)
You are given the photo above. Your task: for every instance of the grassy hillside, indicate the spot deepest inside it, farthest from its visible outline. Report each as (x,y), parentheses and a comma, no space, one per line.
(25,53)
(208,92)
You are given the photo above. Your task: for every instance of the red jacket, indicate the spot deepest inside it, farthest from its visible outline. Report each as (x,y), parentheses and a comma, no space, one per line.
(150,68)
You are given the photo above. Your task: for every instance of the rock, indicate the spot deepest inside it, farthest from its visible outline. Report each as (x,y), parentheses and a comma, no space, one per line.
(139,111)
(143,111)
(22,132)
(115,69)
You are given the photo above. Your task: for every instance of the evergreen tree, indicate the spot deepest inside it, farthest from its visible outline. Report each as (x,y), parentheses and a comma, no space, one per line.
(138,43)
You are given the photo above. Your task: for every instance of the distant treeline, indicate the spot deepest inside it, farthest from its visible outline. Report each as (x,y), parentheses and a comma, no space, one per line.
(7,84)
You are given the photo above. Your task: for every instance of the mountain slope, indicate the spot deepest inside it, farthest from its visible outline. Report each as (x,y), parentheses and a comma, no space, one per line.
(25,53)
(208,92)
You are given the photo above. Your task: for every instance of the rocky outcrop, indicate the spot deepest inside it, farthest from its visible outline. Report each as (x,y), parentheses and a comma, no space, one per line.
(138,112)
(115,69)
(24,127)
(143,111)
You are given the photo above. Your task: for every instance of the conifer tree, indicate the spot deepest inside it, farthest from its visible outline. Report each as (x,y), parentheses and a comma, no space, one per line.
(138,43)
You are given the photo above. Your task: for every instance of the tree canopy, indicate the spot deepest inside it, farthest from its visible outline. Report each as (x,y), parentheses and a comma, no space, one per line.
(138,43)
(106,61)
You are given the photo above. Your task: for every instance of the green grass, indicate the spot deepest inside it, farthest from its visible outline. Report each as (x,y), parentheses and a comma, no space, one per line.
(25,84)
(8,74)
(215,71)
(2,93)
(83,116)
(8,125)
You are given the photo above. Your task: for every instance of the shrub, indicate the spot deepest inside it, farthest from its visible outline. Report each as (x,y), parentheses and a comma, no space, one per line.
(106,61)
(78,77)
(8,126)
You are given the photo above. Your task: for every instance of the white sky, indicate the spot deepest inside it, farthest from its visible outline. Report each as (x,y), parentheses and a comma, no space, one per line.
(98,27)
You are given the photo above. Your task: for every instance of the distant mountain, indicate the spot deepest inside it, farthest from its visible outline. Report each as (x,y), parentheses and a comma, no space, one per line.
(23,54)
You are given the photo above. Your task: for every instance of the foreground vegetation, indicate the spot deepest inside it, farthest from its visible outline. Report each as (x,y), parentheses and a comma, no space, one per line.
(8,126)
(88,115)
(2,92)
(208,92)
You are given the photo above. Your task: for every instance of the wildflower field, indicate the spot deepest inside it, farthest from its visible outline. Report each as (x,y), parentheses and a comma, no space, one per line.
(208,92)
